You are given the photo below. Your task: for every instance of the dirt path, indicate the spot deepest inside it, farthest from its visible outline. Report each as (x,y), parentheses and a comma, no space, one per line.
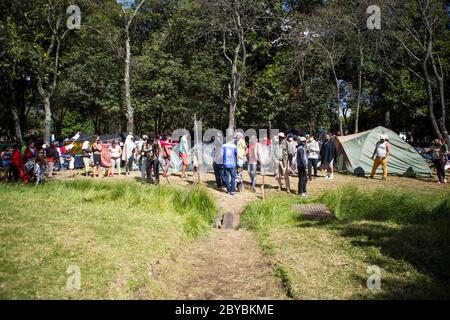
(226,264)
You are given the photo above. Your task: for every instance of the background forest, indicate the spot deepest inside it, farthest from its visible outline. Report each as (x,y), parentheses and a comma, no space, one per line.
(150,65)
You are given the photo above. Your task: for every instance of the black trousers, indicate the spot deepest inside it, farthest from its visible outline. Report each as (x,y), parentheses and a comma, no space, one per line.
(218,173)
(153,171)
(440,169)
(302,180)
(312,164)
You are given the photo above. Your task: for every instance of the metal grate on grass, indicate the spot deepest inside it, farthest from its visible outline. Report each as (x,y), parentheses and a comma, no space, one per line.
(315,210)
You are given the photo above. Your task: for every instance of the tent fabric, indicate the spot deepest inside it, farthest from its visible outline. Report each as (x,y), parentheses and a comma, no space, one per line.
(355,153)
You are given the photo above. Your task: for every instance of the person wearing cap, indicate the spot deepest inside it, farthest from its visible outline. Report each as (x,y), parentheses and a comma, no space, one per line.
(381,156)
(302,164)
(327,155)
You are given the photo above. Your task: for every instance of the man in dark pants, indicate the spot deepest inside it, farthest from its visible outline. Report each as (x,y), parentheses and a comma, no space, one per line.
(218,160)
(302,164)
(153,162)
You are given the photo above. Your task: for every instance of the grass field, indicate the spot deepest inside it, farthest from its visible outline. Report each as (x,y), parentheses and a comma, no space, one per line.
(115,232)
(404,233)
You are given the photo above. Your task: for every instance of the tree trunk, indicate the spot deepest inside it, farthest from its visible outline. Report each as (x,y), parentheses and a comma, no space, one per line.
(338,98)
(358,103)
(387,118)
(48,118)
(429,90)
(130,111)
(14,113)
(440,79)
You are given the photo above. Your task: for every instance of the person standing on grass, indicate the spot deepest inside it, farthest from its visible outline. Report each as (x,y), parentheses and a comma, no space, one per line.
(144,150)
(116,157)
(381,155)
(217,156)
(241,151)
(51,155)
(184,155)
(327,155)
(302,164)
(284,163)
(167,146)
(128,154)
(229,151)
(439,151)
(39,170)
(106,159)
(86,150)
(313,149)
(96,155)
(153,161)
(252,155)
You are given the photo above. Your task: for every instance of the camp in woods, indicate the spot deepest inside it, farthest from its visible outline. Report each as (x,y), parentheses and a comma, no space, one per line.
(298,148)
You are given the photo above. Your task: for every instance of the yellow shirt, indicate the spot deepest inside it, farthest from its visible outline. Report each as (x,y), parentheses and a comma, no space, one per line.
(241,146)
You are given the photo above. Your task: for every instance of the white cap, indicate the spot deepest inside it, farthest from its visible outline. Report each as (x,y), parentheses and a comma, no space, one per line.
(302,139)
(282,135)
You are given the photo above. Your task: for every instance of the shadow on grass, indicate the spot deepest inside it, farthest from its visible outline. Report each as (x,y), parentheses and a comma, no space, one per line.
(424,245)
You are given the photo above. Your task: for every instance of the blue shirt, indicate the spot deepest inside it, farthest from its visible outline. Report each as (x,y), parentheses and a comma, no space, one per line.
(229,155)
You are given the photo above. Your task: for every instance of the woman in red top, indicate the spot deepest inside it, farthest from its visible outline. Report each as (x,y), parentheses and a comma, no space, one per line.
(17,166)
(30,152)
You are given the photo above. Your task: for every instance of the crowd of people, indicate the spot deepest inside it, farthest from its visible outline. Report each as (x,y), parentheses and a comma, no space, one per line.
(282,156)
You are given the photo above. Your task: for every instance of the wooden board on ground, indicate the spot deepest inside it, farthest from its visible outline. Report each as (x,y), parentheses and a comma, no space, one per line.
(316,210)
(230,220)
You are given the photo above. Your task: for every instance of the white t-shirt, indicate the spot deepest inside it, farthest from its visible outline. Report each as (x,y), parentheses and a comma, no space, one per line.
(115,152)
(381,150)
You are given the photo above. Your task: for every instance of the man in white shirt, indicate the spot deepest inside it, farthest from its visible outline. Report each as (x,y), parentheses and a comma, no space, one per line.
(381,155)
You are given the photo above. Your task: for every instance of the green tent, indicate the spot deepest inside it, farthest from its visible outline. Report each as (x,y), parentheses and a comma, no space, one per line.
(355,152)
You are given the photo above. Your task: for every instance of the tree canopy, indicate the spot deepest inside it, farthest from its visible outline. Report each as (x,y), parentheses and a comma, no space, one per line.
(233,63)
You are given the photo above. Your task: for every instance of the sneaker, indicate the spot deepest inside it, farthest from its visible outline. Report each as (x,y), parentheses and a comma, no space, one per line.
(327,177)
(304,194)
(445,181)
(438,182)
(331,177)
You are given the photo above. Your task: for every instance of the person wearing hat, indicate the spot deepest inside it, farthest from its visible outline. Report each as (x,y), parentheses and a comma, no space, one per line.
(381,156)
(302,164)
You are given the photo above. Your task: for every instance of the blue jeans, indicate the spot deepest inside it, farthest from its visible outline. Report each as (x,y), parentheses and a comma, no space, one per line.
(251,168)
(227,172)
(218,173)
